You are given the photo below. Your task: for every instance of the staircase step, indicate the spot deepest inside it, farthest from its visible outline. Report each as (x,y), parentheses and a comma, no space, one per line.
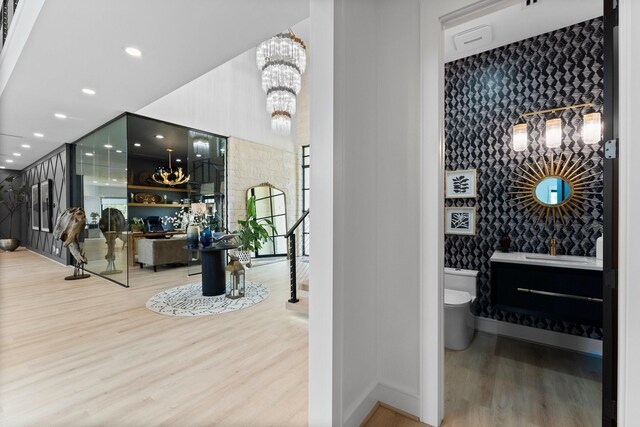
(303,285)
(301,306)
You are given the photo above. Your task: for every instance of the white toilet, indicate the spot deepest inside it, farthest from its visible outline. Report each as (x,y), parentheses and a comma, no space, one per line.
(459,293)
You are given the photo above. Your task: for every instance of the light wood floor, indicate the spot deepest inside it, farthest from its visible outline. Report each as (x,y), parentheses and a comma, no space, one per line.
(500,382)
(388,417)
(503,382)
(88,353)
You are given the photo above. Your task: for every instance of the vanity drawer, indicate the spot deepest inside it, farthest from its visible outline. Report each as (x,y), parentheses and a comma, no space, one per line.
(564,294)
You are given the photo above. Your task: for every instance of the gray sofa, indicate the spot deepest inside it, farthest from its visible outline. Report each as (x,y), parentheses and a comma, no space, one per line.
(155,252)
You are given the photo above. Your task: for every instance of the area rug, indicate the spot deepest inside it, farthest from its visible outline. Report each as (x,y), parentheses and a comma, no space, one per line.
(187,300)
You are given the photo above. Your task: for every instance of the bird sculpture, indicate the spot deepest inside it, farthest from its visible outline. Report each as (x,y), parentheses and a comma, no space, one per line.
(68,227)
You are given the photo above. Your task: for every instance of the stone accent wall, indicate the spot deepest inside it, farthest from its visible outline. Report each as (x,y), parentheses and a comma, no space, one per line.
(250,164)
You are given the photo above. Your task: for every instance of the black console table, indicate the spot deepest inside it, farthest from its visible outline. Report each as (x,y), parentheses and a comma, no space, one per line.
(213,269)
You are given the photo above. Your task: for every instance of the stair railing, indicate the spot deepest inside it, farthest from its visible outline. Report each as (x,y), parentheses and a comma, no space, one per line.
(7,10)
(293,256)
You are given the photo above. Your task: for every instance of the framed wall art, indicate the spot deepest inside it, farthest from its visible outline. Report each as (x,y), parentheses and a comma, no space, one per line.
(35,207)
(45,206)
(460,221)
(461,184)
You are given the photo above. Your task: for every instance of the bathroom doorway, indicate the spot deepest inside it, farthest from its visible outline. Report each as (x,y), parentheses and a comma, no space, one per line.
(526,66)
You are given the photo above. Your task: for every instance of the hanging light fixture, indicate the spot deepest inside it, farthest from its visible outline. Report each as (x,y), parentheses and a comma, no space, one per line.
(591,131)
(592,128)
(553,133)
(282,60)
(168,176)
(520,137)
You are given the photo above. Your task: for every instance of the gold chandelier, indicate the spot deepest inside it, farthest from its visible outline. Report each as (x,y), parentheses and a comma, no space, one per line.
(169,176)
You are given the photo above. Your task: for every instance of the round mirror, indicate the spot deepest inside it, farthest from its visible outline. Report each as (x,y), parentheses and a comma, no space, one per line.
(553,191)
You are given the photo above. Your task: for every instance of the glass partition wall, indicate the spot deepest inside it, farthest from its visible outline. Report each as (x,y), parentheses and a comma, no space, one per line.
(101,189)
(136,226)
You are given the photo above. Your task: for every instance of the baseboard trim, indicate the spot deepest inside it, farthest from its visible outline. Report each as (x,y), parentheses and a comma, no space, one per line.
(540,336)
(361,408)
(380,394)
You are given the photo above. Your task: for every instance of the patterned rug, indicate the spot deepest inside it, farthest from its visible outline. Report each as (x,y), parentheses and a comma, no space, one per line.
(187,300)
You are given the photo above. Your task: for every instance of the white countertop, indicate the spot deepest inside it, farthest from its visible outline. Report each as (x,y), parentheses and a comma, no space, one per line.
(545,260)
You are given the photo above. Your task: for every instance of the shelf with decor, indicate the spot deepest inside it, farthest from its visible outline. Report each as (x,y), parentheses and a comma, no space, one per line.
(151,188)
(158,205)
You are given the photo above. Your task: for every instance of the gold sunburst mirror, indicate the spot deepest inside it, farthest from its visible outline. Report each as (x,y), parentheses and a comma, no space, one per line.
(554,188)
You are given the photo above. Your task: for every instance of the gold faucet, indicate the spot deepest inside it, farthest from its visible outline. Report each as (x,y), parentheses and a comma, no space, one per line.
(552,247)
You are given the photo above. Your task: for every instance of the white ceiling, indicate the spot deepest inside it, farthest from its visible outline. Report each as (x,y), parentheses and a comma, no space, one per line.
(78,43)
(513,22)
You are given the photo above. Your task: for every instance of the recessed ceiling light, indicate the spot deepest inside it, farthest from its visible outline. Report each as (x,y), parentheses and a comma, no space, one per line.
(25,146)
(133,51)
(88,91)
(198,155)
(178,160)
(95,182)
(38,135)
(118,151)
(106,183)
(114,180)
(137,144)
(3,167)
(60,116)
(88,154)
(9,161)
(108,146)
(160,136)
(17,154)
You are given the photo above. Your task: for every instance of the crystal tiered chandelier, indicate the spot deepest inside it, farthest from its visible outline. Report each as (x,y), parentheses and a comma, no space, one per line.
(282,60)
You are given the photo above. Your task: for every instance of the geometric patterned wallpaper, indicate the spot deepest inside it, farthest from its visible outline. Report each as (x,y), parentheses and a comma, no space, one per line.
(484,95)
(54,166)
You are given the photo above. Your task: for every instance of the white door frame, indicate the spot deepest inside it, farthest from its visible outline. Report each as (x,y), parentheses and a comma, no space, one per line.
(432,16)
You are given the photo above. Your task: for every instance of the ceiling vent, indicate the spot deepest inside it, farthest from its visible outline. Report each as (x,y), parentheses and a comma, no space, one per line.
(528,3)
(473,38)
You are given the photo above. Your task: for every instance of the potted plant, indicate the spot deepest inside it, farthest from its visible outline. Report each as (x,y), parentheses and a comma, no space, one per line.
(13,197)
(252,233)
(137,224)
(94,217)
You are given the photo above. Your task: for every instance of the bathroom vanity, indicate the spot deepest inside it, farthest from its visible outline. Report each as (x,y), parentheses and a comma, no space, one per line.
(563,287)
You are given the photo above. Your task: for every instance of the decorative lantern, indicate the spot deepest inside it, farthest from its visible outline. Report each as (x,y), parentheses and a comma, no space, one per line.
(234,276)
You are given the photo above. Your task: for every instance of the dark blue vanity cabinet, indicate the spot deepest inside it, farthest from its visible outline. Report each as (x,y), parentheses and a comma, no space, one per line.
(552,292)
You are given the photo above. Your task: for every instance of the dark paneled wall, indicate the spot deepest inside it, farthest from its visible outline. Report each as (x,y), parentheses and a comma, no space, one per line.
(16,230)
(484,95)
(54,166)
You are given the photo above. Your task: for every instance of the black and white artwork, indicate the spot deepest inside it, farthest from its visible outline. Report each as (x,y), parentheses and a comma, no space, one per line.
(460,221)
(461,184)
(35,207)
(45,205)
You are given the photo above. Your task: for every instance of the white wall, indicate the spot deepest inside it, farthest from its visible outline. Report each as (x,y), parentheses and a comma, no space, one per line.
(325,367)
(629,231)
(227,100)
(432,240)
(364,177)
(395,199)
(355,217)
